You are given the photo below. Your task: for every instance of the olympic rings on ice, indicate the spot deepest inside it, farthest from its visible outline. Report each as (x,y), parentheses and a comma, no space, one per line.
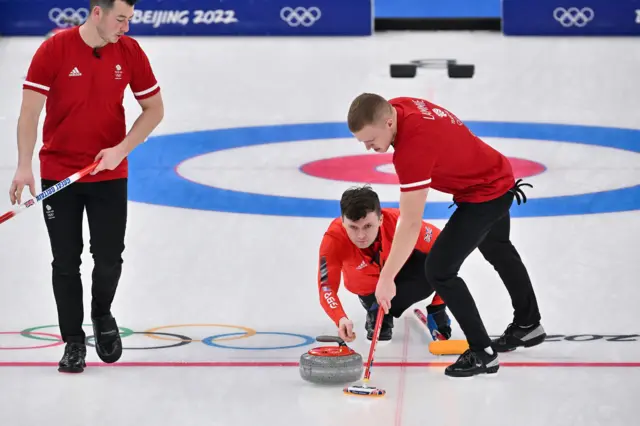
(175,339)
(57,340)
(28,332)
(182,340)
(307,340)
(248,331)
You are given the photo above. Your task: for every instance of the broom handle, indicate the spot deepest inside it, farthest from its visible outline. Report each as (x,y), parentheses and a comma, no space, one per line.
(374,342)
(49,192)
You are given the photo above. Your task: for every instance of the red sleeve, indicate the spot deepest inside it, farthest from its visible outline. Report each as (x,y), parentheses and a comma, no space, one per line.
(42,70)
(143,81)
(415,154)
(428,235)
(329,272)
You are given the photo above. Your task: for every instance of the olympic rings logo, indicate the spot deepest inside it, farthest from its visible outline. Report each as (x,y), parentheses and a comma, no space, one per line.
(68,17)
(175,339)
(573,16)
(300,16)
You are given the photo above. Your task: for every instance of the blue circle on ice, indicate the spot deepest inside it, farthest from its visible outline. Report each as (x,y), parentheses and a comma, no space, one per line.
(154,180)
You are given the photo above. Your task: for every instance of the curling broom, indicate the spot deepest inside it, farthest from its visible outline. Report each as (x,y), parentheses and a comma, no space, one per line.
(364,389)
(48,192)
(442,347)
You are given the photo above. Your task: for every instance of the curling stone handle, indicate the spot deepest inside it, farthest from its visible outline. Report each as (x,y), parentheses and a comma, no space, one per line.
(331,339)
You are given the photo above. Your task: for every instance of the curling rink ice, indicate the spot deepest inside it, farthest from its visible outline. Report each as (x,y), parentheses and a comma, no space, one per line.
(226,215)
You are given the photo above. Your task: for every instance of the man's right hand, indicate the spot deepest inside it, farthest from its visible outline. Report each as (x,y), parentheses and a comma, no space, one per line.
(22,178)
(345,330)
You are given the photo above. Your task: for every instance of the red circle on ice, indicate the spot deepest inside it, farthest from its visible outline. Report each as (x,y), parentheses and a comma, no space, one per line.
(378,168)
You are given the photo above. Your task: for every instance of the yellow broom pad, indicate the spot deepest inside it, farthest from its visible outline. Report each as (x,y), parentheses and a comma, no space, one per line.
(448,347)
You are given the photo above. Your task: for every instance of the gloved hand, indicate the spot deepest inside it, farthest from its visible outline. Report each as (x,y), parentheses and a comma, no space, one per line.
(438,322)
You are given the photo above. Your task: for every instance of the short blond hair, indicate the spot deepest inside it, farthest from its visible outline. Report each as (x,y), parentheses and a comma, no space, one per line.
(367,108)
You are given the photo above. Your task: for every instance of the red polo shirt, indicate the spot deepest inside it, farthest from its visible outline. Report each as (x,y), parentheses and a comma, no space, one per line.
(85,93)
(433,148)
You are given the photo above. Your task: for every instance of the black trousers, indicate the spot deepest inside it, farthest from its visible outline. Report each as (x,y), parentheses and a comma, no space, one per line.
(106,207)
(411,286)
(485,226)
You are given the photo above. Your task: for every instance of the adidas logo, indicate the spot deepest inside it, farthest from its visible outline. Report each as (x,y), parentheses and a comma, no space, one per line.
(362,265)
(75,72)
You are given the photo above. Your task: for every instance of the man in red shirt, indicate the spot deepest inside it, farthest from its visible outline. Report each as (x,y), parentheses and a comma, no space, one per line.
(82,74)
(434,149)
(357,244)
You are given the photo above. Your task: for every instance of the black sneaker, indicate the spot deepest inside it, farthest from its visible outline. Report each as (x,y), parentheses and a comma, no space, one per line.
(518,336)
(386,329)
(107,337)
(73,360)
(472,363)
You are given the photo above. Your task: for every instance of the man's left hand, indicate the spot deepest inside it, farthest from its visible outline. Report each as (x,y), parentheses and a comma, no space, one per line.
(110,158)
(385,291)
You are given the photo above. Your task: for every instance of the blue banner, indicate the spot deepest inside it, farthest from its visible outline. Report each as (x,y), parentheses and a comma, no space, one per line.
(437,9)
(562,18)
(201,17)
